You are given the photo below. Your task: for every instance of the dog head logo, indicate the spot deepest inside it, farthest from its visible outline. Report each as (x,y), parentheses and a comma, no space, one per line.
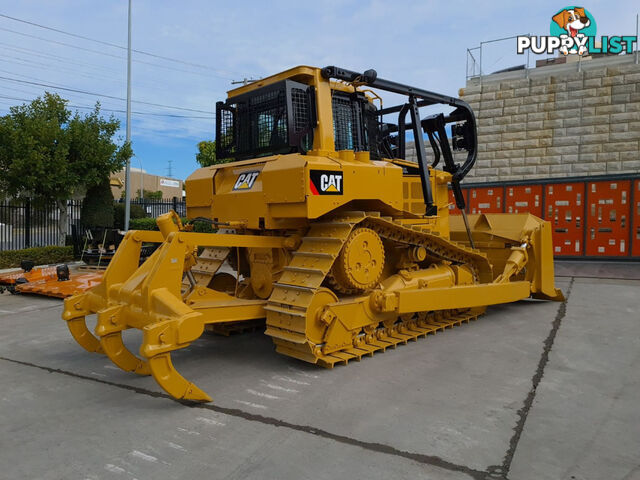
(572,20)
(573,25)
(573,31)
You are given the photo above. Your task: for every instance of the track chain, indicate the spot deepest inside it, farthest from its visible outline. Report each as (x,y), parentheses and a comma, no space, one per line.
(400,334)
(208,263)
(287,307)
(292,295)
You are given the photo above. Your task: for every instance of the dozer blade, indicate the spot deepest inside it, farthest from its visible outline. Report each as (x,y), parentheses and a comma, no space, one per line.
(498,234)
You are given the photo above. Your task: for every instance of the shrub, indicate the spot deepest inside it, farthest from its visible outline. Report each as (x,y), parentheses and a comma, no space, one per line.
(143,224)
(202,227)
(150,224)
(97,207)
(137,211)
(38,255)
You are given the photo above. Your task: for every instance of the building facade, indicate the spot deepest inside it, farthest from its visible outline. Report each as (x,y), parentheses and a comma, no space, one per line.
(561,141)
(570,119)
(170,187)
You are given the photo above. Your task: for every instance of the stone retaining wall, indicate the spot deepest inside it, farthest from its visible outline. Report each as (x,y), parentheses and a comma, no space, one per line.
(558,122)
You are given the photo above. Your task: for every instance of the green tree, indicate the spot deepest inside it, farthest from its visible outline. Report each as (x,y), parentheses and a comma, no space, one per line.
(137,211)
(206,155)
(97,207)
(49,153)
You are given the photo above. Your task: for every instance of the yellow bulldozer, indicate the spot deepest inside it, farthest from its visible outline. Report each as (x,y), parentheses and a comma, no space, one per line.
(323,228)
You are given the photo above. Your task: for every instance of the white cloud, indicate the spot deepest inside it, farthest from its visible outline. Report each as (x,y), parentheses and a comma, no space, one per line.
(421,43)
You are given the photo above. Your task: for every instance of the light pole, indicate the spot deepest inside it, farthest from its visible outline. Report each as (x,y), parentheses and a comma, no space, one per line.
(127,176)
(141,180)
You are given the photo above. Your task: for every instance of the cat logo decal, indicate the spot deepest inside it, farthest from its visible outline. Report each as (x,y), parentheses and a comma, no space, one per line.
(326,182)
(246,180)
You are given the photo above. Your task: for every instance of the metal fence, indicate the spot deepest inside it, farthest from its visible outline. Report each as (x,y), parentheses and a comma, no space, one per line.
(25,224)
(497,55)
(500,55)
(154,208)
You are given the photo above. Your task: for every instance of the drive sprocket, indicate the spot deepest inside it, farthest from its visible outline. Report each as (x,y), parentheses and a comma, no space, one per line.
(360,263)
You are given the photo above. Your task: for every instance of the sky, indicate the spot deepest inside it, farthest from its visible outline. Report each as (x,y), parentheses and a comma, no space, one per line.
(194,49)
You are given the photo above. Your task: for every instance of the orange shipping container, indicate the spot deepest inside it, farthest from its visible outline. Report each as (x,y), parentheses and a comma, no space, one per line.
(524,198)
(564,208)
(453,210)
(608,218)
(635,235)
(486,200)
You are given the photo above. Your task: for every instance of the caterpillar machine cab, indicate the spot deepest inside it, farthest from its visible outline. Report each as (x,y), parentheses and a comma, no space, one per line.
(324,229)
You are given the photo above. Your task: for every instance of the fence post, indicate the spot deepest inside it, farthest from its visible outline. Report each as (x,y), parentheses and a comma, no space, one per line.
(466,71)
(175,204)
(481,67)
(637,46)
(526,69)
(27,223)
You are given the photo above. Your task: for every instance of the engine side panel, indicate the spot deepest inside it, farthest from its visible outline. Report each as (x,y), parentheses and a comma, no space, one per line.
(287,191)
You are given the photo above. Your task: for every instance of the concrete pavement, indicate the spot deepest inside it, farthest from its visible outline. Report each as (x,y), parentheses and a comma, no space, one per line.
(531,390)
